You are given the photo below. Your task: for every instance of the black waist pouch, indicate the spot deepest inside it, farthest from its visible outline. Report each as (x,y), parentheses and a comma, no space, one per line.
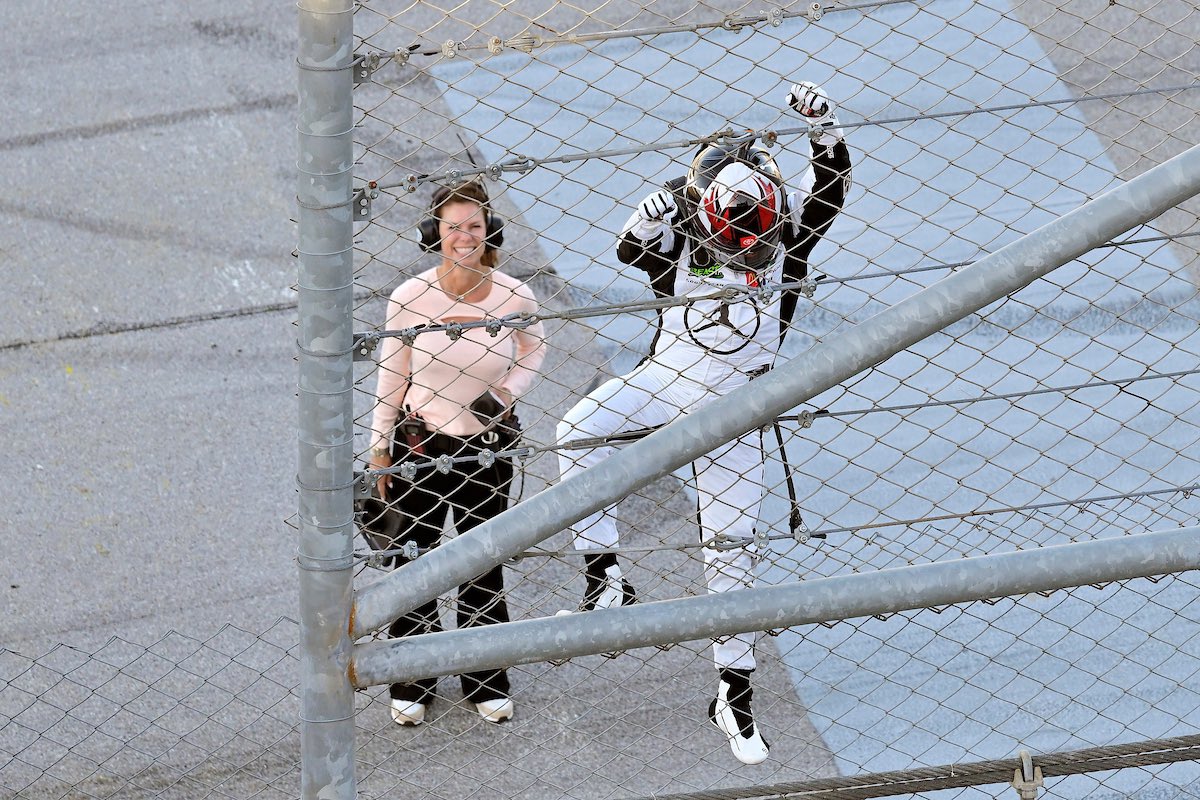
(380,522)
(502,423)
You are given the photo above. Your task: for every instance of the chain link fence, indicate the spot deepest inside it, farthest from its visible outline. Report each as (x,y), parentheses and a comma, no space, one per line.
(1068,412)
(1065,413)
(179,717)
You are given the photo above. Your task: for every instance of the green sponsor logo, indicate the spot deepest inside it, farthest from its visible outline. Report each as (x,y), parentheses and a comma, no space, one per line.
(713,271)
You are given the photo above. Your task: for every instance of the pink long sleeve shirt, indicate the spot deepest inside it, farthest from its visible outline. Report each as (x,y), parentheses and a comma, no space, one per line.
(438,377)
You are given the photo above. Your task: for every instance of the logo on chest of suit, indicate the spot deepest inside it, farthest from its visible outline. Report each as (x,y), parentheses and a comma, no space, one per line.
(736,335)
(701,264)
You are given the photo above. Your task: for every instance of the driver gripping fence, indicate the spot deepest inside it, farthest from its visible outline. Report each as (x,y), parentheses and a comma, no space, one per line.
(993,355)
(988,396)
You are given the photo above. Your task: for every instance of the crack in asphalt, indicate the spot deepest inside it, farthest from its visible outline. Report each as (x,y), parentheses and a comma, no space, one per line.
(77,133)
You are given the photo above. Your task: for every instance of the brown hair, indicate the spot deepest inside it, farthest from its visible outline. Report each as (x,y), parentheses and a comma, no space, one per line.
(471,192)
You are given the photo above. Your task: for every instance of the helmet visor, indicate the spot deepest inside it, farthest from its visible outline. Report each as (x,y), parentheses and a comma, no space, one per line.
(750,259)
(745,235)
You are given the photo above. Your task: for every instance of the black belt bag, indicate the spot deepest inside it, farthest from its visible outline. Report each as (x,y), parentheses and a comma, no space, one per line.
(502,427)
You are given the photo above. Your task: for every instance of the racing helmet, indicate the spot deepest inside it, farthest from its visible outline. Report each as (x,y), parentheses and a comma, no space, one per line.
(736,192)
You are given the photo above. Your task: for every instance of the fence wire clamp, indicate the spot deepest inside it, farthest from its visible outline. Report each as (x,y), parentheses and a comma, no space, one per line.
(494,171)
(762,539)
(409,550)
(800,530)
(739,137)
(486,458)
(362,484)
(410,183)
(377,560)
(1027,779)
(805,419)
(450,48)
(443,464)
(733,22)
(365,66)
(526,44)
(775,16)
(723,541)
(362,201)
(520,164)
(408,470)
(814,12)
(808,287)
(364,345)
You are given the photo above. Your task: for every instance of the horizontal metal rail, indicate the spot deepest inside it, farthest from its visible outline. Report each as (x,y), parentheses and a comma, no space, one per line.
(801,603)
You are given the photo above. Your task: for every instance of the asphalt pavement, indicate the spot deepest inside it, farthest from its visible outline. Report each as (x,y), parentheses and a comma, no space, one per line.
(147,362)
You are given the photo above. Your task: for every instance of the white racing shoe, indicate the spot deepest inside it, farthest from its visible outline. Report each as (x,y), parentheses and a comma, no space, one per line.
(496,711)
(606,588)
(406,712)
(730,711)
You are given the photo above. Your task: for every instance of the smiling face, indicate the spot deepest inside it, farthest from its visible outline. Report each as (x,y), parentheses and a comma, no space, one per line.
(463,229)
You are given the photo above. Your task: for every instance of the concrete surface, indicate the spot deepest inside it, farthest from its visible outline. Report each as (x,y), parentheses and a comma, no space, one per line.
(146,381)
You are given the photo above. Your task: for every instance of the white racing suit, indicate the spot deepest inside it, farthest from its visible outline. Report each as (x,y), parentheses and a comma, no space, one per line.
(701,351)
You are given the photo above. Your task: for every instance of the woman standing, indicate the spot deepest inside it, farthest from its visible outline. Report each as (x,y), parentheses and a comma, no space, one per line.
(454,396)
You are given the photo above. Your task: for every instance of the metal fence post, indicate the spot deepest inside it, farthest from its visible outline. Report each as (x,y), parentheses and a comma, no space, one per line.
(325,385)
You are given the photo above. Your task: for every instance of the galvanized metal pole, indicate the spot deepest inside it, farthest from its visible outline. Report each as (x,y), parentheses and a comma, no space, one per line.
(326,457)
(801,603)
(825,365)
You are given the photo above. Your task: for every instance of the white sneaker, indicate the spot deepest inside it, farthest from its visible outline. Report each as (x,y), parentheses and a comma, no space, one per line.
(732,714)
(406,712)
(496,711)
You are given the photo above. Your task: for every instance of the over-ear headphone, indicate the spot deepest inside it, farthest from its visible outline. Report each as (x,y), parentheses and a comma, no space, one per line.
(431,239)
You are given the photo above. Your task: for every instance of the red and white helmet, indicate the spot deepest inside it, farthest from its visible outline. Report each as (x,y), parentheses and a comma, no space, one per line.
(739,204)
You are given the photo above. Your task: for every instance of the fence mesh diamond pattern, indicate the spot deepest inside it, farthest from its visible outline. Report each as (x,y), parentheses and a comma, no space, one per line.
(1068,412)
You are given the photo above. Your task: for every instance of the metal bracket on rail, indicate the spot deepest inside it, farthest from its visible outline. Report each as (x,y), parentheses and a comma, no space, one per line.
(368,64)
(365,66)
(365,344)
(363,196)
(1028,778)
(762,539)
(362,485)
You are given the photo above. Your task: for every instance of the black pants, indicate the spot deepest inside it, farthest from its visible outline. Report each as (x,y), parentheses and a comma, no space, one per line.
(472,494)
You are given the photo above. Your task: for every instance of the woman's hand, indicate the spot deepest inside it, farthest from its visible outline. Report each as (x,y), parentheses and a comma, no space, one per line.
(381,459)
